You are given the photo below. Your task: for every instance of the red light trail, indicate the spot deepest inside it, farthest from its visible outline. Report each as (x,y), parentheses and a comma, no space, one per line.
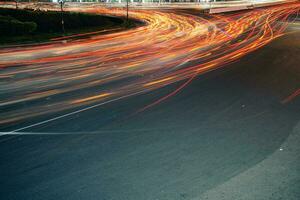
(171,47)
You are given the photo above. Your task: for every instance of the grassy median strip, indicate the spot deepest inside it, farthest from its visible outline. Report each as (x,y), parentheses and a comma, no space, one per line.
(23,26)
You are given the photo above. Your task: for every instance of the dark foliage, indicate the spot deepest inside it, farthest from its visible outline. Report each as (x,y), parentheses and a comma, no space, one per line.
(50,21)
(12,26)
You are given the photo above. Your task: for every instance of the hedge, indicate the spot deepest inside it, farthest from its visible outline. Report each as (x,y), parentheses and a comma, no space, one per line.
(50,21)
(12,26)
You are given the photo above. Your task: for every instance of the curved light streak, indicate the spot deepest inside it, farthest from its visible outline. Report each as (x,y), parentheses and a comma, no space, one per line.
(68,73)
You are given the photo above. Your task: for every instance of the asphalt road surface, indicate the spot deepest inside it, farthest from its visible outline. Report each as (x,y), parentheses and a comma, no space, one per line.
(230,133)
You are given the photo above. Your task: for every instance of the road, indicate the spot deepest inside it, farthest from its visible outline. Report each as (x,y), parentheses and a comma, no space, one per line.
(157,112)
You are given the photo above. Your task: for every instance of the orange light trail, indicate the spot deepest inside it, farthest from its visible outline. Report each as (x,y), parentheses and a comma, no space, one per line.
(57,76)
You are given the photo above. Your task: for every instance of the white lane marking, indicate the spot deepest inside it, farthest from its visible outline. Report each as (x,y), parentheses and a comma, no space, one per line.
(69,114)
(93,132)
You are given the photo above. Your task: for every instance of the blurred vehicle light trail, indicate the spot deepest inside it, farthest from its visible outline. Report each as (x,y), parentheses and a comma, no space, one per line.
(172,46)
